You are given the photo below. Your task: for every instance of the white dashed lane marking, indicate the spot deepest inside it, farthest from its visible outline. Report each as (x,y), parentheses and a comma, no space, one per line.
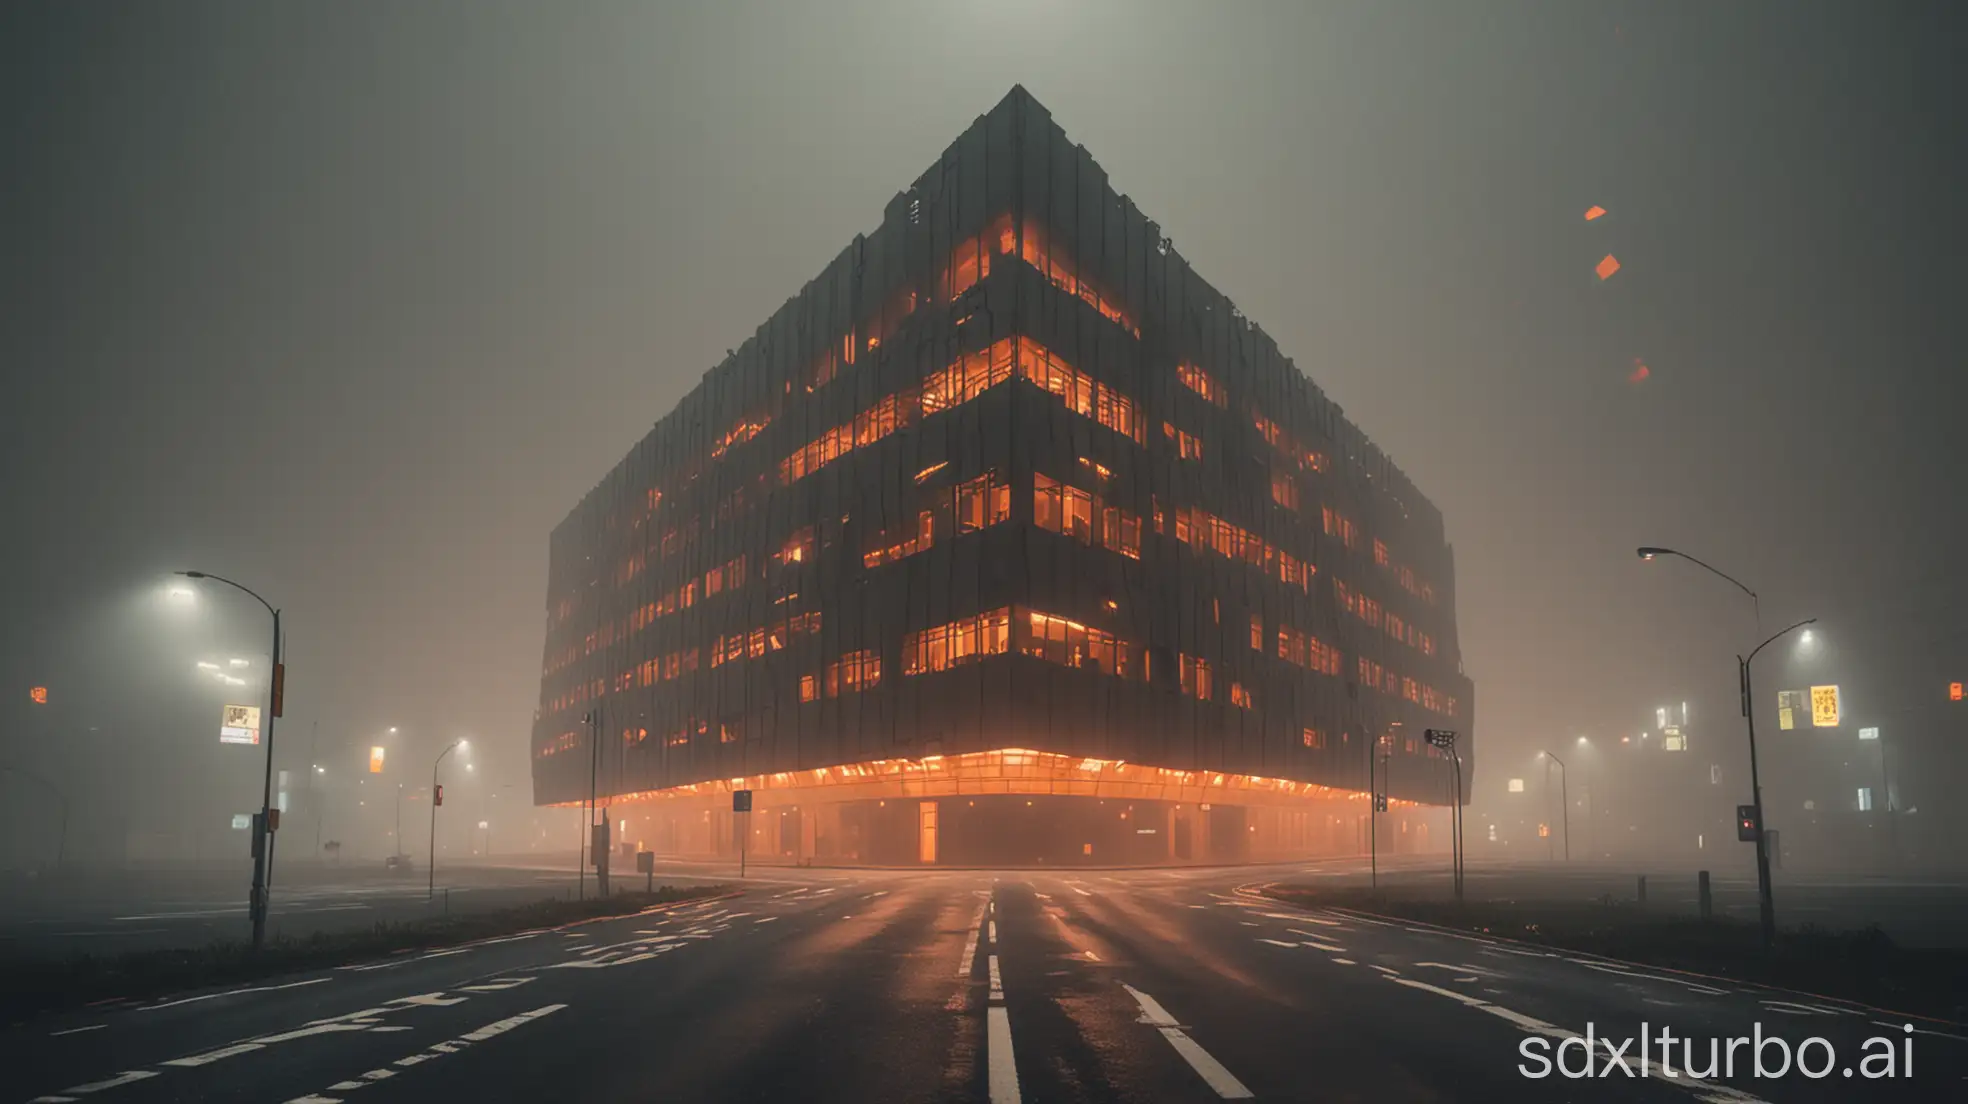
(1212,1071)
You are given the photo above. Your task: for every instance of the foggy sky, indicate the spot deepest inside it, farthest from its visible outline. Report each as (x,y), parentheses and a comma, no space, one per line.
(354,302)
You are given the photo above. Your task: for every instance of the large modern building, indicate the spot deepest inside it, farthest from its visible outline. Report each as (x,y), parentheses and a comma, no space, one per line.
(1008,539)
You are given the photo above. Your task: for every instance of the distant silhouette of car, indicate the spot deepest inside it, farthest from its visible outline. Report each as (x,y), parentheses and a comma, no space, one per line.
(399,863)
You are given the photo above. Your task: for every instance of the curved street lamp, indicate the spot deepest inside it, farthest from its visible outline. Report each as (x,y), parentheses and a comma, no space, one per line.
(262,833)
(1766,900)
(431,889)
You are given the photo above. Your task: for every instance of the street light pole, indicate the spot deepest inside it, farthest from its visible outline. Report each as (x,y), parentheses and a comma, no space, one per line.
(262,832)
(431,888)
(1564,798)
(1766,902)
(1765,899)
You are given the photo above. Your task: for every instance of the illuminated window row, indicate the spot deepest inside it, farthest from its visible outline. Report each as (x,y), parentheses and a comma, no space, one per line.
(1200,529)
(1284,490)
(1393,624)
(962,641)
(1339,525)
(964,380)
(1054,265)
(1405,631)
(1240,697)
(853,673)
(1403,574)
(745,430)
(1377,677)
(1357,604)
(726,576)
(967,507)
(1307,651)
(664,668)
(799,547)
(566,741)
(1081,515)
(1187,445)
(1282,443)
(1081,393)
(1070,643)
(1202,383)
(1313,738)
(766,638)
(967,378)
(970,262)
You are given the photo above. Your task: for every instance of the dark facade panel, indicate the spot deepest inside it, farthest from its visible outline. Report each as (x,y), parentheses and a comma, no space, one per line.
(739,595)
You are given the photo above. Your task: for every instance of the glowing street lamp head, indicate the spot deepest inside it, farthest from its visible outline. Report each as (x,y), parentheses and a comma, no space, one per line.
(1583,741)
(464,745)
(392,730)
(1806,638)
(192,574)
(1649,553)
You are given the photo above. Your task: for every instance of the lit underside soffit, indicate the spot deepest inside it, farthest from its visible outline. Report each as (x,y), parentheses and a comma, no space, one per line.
(1006,771)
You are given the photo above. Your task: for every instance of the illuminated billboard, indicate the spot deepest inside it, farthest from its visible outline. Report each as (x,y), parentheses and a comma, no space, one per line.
(1516,785)
(1791,704)
(39,694)
(1824,707)
(376,755)
(240,724)
(1672,739)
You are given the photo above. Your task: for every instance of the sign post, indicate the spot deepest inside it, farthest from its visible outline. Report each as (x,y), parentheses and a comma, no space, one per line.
(646,866)
(741,805)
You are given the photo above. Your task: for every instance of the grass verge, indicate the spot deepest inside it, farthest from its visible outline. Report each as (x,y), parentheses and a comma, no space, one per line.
(1863,965)
(31,986)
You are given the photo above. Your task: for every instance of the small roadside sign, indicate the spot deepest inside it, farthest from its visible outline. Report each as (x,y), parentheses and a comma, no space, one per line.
(279,687)
(741,801)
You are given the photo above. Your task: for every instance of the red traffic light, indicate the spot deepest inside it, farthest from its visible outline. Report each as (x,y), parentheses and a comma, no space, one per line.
(1954,691)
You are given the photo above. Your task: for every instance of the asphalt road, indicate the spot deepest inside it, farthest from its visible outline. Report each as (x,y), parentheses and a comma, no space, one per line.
(958,986)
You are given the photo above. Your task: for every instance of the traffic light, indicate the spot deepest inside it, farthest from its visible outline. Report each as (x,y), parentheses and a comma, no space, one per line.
(1380,803)
(1749,823)
(437,796)
(1954,691)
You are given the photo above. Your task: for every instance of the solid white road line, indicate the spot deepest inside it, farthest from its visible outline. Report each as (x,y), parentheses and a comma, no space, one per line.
(233,993)
(77,1030)
(997,983)
(1003,1067)
(124,1078)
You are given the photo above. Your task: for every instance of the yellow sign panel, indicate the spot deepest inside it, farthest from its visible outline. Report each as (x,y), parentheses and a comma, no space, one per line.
(1824,707)
(1784,720)
(376,760)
